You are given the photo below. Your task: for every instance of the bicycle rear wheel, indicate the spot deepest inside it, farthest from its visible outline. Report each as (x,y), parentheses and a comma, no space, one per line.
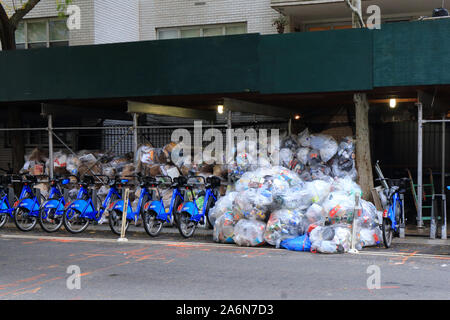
(23,220)
(73,222)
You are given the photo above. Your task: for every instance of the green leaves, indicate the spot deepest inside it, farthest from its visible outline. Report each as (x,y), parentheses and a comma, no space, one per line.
(61,7)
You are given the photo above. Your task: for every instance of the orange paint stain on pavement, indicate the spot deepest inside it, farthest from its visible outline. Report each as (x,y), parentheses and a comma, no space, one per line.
(18,282)
(27,291)
(59,240)
(404,259)
(30,286)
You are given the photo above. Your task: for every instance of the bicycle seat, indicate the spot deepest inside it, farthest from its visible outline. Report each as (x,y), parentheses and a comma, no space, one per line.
(180,181)
(88,180)
(213,182)
(401,184)
(147,181)
(5,180)
(30,179)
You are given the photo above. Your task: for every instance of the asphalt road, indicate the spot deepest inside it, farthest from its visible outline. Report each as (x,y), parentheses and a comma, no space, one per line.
(35,266)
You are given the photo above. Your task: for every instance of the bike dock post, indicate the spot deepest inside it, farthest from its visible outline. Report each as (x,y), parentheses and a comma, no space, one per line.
(124,216)
(402,225)
(356,213)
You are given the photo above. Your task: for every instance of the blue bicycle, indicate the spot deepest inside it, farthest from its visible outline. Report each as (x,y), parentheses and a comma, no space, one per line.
(80,212)
(145,196)
(26,209)
(155,213)
(6,209)
(394,214)
(52,210)
(194,212)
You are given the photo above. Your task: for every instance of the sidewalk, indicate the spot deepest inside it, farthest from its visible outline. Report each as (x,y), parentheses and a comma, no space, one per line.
(413,236)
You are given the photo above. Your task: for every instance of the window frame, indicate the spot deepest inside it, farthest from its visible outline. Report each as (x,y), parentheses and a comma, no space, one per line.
(223,26)
(47,42)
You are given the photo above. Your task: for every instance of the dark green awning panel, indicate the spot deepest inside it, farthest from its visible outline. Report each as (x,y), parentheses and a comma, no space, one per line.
(412,54)
(400,54)
(136,69)
(316,61)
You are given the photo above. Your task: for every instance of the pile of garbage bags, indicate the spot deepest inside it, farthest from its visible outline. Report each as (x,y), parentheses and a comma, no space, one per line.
(318,156)
(307,203)
(275,206)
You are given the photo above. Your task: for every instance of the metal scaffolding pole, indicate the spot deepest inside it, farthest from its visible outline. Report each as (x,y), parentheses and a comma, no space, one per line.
(135,132)
(444,201)
(419,163)
(229,142)
(50,145)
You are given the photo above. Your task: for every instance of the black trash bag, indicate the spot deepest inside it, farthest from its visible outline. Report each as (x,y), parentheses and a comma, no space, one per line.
(440,12)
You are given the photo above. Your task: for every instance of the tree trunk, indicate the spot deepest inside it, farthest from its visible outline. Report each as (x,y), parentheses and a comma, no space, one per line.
(17,138)
(363,158)
(8,40)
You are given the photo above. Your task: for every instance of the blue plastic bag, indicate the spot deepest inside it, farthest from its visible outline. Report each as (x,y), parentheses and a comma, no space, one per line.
(301,243)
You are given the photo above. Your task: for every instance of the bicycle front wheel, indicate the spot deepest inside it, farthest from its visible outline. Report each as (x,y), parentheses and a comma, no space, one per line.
(152,225)
(49,220)
(73,222)
(23,220)
(185,225)
(3,219)
(211,203)
(115,221)
(388,232)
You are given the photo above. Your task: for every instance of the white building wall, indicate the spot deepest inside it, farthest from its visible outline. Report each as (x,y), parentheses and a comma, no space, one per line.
(176,13)
(116,21)
(47,9)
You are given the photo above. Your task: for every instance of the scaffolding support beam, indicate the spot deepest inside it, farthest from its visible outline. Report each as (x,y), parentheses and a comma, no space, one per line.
(171,111)
(257,108)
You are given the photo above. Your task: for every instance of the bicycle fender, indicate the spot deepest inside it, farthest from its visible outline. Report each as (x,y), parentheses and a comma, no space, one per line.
(54,204)
(81,206)
(3,206)
(191,209)
(118,205)
(27,204)
(158,207)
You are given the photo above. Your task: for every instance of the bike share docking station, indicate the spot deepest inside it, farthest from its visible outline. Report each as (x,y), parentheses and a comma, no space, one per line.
(432,102)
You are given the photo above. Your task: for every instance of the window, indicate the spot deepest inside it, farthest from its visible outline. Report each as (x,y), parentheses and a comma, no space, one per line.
(201,31)
(42,34)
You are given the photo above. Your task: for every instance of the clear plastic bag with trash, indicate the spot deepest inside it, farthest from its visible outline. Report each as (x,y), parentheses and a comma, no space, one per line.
(339,207)
(249,233)
(252,204)
(290,142)
(302,155)
(282,224)
(286,157)
(326,145)
(224,228)
(223,205)
(304,138)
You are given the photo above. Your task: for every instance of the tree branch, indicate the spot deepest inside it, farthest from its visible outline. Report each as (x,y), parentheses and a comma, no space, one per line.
(4,25)
(20,13)
(357,12)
